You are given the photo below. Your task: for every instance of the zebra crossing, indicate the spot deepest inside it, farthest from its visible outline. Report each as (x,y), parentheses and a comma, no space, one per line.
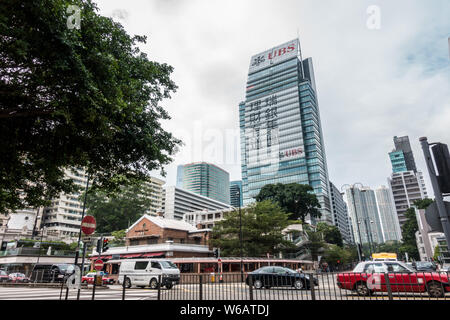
(24,293)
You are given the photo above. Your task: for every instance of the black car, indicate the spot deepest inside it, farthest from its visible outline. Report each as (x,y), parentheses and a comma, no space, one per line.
(423,266)
(267,277)
(52,272)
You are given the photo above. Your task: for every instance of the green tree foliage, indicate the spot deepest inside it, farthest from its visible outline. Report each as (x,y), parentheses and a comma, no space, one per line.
(437,253)
(262,226)
(409,230)
(119,237)
(75,98)
(315,244)
(331,234)
(295,199)
(424,203)
(116,211)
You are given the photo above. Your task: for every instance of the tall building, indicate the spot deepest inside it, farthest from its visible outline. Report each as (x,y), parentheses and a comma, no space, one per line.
(236,195)
(156,195)
(407,184)
(63,216)
(281,134)
(180,201)
(365,220)
(407,187)
(340,213)
(388,215)
(402,157)
(206,179)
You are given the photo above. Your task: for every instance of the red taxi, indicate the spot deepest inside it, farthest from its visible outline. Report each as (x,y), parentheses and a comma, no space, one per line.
(89,279)
(375,276)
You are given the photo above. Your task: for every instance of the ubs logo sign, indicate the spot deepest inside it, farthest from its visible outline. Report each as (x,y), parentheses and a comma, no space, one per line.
(271,55)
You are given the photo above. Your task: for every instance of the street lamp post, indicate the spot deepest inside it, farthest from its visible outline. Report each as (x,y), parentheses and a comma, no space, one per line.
(238,192)
(356,215)
(77,253)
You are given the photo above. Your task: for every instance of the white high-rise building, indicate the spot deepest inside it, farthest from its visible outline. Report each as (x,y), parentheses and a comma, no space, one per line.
(157,196)
(179,201)
(365,220)
(407,187)
(63,216)
(340,213)
(388,215)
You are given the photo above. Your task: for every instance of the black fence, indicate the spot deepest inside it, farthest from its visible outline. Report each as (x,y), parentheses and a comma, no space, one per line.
(310,286)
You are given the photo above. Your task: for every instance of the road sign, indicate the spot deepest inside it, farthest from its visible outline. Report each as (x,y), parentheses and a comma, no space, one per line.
(88,225)
(98,265)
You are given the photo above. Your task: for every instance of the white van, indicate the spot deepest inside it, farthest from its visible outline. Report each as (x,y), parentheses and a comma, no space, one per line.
(146,272)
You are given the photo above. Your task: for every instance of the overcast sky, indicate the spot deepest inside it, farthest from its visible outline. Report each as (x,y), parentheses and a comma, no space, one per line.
(372,84)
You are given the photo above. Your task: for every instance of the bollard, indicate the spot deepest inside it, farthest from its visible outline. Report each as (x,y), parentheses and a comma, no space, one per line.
(60,293)
(250,284)
(388,286)
(123,287)
(200,287)
(93,289)
(159,287)
(311,286)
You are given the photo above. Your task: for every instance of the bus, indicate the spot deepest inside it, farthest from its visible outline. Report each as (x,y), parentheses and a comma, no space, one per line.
(384,256)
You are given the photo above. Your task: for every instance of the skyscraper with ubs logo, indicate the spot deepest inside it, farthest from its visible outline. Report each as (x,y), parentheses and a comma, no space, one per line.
(281,135)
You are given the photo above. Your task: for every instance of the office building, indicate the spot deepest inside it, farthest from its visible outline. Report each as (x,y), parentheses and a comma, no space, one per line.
(236,195)
(363,211)
(63,216)
(157,195)
(180,201)
(407,187)
(407,184)
(404,157)
(281,134)
(388,215)
(340,213)
(205,179)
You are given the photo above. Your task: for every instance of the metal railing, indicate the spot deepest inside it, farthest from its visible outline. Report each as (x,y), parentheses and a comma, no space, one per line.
(311,286)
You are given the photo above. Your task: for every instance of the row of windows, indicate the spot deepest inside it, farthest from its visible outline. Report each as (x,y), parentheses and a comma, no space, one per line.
(272,70)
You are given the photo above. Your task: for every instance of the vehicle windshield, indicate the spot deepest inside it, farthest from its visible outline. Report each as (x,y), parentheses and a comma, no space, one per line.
(168,265)
(424,264)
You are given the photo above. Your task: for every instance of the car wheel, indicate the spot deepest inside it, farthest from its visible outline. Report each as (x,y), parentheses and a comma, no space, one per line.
(85,282)
(169,286)
(299,285)
(435,289)
(153,284)
(128,283)
(258,284)
(361,289)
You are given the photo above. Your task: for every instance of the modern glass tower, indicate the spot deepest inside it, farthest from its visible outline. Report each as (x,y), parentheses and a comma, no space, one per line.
(281,135)
(388,215)
(206,179)
(364,215)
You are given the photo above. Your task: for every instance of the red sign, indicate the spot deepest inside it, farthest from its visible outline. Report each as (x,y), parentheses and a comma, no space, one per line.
(98,265)
(88,225)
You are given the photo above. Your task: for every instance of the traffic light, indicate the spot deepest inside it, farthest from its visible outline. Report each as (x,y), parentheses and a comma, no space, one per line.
(105,245)
(442,159)
(99,245)
(216,252)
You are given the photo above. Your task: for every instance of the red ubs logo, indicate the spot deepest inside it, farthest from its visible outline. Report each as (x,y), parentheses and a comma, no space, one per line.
(281,51)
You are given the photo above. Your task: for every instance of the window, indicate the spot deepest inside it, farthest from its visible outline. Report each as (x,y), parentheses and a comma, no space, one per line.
(156,265)
(279,270)
(140,265)
(395,267)
(374,267)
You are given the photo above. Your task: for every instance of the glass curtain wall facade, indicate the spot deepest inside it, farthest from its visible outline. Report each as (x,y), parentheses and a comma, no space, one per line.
(388,215)
(281,135)
(208,180)
(365,219)
(236,193)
